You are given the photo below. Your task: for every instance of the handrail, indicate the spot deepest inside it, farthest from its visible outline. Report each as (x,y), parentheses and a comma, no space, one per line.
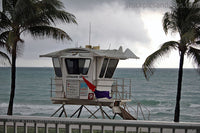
(94,124)
(122,88)
(140,108)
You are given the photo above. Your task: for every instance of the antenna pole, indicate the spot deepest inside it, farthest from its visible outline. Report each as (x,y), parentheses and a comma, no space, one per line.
(89,32)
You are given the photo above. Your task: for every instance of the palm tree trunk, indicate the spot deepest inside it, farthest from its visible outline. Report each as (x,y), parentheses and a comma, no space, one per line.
(178,96)
(13,77)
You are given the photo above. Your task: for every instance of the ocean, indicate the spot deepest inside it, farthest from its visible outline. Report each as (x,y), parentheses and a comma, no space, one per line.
(32,97)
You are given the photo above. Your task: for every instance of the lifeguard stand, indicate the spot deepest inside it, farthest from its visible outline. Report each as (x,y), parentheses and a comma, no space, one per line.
(98,67)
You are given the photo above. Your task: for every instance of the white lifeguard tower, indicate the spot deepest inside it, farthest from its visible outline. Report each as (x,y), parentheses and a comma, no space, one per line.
(98,67)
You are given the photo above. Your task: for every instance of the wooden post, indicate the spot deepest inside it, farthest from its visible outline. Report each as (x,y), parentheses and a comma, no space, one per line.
(67,128)
(91,129)
(4,127)
(80,130)
(15,127)
(161,130)
(125,129)
(57,129)
(25,127)
(137,131)
(46,128)
(173,130)
(35,128)
(113,129)
(187,131)
(149,130)
(102,129)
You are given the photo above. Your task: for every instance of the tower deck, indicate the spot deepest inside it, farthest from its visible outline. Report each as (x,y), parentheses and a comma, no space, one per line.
(103,102)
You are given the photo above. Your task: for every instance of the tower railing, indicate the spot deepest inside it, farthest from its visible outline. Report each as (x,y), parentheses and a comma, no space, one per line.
(54,90)
(122,89)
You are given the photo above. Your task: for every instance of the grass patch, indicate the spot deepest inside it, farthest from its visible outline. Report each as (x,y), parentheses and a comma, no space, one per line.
(1,129)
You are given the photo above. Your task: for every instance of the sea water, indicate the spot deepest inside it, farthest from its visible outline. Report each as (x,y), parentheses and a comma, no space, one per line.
(32,97)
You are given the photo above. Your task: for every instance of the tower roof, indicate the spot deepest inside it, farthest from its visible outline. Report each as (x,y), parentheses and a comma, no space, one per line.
(85,52)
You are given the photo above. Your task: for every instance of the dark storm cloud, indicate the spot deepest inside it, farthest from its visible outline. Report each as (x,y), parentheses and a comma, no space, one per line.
(134,4)
(0,5)
(86,4)
(112,25)
(154,4)
(112,22)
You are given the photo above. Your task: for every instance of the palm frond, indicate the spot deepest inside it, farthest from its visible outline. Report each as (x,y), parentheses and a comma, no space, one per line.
(194,54)
(2,44)
(169,22)
(64,16)
(7,5)
(194,13)
(3,5)
(148,66)
(4,21)
(189,37)
(184,16)
(24,10)
(3,41)
(4,36)
(48,31)
(55,14)
(197,42)
(55,3)
(32,13)
(34,20)
(5,57)
(12,2)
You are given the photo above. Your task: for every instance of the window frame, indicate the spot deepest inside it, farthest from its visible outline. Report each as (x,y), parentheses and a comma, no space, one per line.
(56,69)
(106,68)
(102,74)
(67,69)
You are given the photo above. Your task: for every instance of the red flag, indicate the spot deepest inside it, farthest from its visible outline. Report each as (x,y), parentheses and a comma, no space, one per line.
(90,85)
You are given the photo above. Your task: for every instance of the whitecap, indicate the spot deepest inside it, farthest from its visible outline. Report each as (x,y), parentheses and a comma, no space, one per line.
(194,105)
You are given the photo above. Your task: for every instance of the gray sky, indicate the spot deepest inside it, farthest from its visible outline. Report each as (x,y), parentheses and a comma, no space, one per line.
(133,24)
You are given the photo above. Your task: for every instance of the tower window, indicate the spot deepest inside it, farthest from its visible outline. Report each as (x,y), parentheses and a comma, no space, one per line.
(77,66)
(57,69)
(108,68)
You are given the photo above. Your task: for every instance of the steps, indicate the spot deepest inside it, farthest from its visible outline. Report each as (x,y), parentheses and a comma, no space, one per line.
(123,113)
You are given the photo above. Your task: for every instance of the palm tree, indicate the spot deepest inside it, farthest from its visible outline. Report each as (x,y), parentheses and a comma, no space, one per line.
(36,17)
(184,18)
